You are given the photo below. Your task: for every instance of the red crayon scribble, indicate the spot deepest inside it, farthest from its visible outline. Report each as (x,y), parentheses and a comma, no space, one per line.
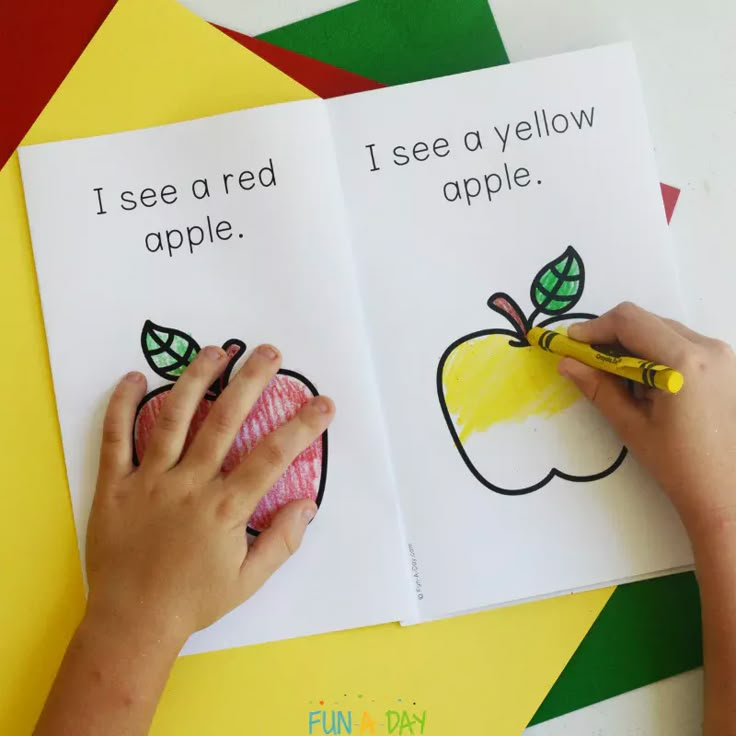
(279,403)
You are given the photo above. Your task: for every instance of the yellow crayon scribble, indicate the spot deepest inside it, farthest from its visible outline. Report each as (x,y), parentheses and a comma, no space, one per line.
(487,381)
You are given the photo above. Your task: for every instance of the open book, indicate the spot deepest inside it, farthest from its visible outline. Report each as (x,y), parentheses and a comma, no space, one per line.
(396,245)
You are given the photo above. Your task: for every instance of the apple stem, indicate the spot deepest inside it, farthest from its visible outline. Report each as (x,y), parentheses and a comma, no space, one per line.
(504,305)
(233,348)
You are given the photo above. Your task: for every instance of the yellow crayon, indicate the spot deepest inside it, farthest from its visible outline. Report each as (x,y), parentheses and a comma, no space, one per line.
(634,369)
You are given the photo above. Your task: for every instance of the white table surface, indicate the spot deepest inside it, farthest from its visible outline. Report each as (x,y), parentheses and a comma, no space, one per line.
(672,707)
(687,60)
(258,16)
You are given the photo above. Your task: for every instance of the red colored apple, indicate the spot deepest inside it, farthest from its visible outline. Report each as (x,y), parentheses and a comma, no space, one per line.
(169,351)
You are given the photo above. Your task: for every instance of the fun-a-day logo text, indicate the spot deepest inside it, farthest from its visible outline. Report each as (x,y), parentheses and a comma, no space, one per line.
(360,715)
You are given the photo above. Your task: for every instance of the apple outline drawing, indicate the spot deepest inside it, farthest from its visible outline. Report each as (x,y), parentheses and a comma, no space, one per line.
(505,305)
(234,349)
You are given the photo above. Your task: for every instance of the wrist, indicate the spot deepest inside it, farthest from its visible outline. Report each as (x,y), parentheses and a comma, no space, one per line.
(713,538)
(714,528)
(136,630)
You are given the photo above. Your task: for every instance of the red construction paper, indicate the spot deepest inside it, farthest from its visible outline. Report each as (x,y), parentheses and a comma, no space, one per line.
(323,79)
(40,40)
(670,195)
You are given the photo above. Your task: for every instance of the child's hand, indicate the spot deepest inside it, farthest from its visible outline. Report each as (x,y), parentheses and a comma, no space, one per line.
(687,441)
(166,544)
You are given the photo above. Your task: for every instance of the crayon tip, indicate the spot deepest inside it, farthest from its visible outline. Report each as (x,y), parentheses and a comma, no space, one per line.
(673,381)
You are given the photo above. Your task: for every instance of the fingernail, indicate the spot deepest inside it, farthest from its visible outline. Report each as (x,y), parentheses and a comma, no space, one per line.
(134,377)
(214,353)
(268,351)
(309,513)
(322,405)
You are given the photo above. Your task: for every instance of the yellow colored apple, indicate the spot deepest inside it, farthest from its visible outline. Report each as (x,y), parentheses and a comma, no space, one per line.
(515,421)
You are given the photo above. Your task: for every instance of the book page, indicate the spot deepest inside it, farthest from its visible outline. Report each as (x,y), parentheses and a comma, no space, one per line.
(480,205)
(228,230)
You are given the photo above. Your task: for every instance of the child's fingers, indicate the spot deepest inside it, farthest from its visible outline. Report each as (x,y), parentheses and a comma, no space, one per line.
(637,330)
(172,424)
(116,451)
(216,435)
(275,545)
(250,481)
(609,394)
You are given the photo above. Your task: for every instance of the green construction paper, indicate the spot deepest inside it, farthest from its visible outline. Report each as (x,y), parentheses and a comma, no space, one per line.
(397,41)
(646,632)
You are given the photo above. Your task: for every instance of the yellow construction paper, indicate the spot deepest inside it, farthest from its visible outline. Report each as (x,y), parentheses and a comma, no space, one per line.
(151,63)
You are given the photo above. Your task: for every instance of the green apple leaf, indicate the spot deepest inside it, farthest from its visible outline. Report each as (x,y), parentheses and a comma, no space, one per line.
(167,351)
(558,286)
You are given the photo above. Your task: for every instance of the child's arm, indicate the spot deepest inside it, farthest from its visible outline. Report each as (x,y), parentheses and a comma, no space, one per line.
(166,546)
(688,442)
